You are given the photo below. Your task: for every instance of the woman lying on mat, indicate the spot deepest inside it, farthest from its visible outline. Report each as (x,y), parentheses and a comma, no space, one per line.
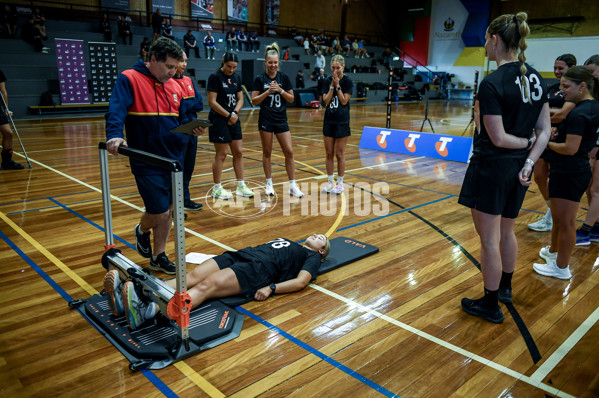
(280,265)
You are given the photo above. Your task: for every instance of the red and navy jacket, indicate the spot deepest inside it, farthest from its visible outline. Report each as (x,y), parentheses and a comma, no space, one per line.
(192,97)
(148,110)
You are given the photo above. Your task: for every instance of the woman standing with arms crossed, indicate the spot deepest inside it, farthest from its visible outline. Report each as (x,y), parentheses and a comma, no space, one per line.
(570,173)
(512,103)
(589,232)
(226,99)
(272,91)
(558,109)
(336,91)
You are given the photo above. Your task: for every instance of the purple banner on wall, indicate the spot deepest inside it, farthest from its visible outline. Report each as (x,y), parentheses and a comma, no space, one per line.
(72,76)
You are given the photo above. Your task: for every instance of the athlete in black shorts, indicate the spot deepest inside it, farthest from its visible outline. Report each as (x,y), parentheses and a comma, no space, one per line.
(558,109)
(7,162)
(225,98)
(336,91)
(512,102)
(280,265)
(272,91)
(570,173)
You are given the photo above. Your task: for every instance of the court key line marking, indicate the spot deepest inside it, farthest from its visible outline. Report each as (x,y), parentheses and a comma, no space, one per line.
(436,340)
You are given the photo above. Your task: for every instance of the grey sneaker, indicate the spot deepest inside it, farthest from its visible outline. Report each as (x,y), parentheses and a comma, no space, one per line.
(542,225)
(112,287)
(135,308)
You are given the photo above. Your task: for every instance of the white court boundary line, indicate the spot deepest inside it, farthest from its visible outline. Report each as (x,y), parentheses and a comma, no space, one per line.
(534,380)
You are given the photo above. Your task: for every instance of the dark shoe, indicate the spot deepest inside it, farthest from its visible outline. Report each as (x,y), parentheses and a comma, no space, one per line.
(191,205)
(504,295)
(143,242)
(163,264)
(477,308)
(11,165)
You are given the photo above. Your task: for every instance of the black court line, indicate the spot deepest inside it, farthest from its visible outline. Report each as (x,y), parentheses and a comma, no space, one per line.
(528,339)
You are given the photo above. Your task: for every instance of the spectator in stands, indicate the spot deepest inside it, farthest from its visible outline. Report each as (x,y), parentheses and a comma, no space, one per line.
(38,21)
(336,45)
(144,49)
(286,53)
(8,21)
(358,52)
(31,35)
(242,39)
(319,63)
(209,46)
(320,79)
(325,42)
(105,27)
(299,39)
(299,80)
(254,42)
(157,20)
(315,43)
(361,45)
(189,42)
(167,29)
(125,30)
(231,39)
(346,45)
(387,57)
(7,162)
(307,46)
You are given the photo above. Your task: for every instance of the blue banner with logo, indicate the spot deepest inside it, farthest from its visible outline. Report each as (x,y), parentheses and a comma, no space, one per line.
(447,147)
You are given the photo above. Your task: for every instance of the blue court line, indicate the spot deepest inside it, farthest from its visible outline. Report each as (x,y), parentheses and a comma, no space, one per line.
(149,375)
(320,355)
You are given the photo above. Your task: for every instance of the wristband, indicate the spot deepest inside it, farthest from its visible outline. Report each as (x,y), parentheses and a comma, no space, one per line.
(530,162)
(331,86)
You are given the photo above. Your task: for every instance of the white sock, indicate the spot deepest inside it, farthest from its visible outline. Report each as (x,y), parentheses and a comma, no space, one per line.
(216,186)
(331,178)
(292,183)
(151,311)
(340,179)
(240,183)
(269,181)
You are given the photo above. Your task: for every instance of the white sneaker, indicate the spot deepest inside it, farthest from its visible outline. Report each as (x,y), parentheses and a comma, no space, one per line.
(338,188)
(328,187)
(221,193)
(551,269)
(269,190)
(542,225)
(243,190)
(546,255)
(295,191)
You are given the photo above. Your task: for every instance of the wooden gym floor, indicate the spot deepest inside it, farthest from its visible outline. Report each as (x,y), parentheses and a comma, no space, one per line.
(390,324)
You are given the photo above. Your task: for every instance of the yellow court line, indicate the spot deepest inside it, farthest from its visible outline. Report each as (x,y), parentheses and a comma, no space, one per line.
(198,380)
(70,273)
(339,216)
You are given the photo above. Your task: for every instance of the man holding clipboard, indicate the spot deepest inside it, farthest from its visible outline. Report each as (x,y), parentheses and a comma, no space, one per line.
(149,104)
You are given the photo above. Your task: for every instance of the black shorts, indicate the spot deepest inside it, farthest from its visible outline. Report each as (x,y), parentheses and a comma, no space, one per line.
(221,133)
(3,118)
(156,192)
(251,273)
(273,127)
(336,130)
(492,187)
(569,186)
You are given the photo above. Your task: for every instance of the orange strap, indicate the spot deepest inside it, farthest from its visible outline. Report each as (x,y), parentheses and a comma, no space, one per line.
(178,308)
(108,247)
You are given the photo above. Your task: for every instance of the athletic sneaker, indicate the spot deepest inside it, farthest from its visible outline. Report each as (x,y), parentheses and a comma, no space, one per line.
(542,225)
(594,236)
(477,308)
(504,295)
(163,264)
(143,242)
(295,191)
(135,309)
(338,188)
(546,255)
(191,205)
(328,187)
(112,287)
(582,239)
(269,190)
(551,269)
(11,165)
(243,190)
(221,193)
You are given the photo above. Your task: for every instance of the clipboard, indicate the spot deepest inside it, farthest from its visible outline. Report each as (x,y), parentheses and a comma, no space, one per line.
(188,127)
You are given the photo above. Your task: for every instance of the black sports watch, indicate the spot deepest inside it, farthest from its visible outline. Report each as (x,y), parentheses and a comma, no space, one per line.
(273,287)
